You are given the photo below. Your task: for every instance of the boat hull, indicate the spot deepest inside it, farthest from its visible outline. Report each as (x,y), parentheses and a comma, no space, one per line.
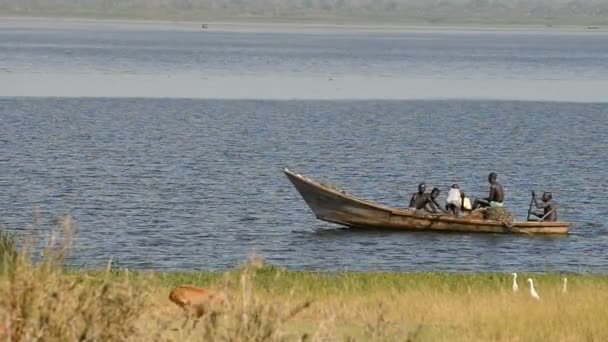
(334,205)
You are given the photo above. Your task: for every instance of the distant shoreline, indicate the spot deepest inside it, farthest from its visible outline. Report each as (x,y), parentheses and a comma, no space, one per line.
(274,25)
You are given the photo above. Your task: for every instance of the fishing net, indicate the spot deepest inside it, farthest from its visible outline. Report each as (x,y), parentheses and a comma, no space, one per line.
(423,213)
(501,215)
(475,215)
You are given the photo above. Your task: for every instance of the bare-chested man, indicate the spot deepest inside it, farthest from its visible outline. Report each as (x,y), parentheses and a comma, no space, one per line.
(431,205)
(549,212)
(496,196)
(420,198)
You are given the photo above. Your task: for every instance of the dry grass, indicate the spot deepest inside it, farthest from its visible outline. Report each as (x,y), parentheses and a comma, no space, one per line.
(430,307)
(41,300)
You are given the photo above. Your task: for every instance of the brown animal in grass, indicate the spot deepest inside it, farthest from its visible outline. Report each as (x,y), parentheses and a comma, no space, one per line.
(197,301)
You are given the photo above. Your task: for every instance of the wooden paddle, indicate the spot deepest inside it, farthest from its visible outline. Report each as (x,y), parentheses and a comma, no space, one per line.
(589,223)
(517,230)
(530,207)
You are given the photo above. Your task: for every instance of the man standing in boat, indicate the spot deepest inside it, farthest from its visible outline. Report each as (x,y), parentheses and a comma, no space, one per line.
(496,197)
(420,198)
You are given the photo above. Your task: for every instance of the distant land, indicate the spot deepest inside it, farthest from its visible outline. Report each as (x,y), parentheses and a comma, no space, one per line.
(587,13)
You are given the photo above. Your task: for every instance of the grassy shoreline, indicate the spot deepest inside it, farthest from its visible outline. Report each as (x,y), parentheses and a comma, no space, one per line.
(390,306)
(272,278)
(457,16)
(40,298)
(249,24)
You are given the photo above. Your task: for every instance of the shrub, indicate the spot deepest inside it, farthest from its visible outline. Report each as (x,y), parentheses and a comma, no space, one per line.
(8,250)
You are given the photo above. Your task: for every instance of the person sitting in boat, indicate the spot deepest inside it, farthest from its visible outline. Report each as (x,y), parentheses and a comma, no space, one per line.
(420,198)
(454,200)
(431,205)
(496,197)
(549,212)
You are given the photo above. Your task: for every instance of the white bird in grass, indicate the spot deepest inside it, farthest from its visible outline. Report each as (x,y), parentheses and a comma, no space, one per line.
(515,286)
(565,285)
(533,292)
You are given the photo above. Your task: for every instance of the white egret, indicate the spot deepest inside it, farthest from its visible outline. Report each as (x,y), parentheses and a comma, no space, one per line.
(564,285)
(533,292)
(515,286)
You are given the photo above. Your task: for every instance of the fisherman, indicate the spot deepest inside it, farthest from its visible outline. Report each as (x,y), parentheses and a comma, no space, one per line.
(431,205)
(420,198)
(549,212)
(496,197)
(454,200)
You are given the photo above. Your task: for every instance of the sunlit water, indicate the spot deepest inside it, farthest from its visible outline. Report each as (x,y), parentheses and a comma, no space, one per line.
(196,183)
(110,60)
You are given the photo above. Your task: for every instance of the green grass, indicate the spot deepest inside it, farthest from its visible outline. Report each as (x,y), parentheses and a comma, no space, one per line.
(41,299)
(387,306)
(8,249)
(272,278)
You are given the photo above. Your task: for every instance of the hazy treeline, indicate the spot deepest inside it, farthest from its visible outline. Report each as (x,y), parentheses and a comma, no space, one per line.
(433,11)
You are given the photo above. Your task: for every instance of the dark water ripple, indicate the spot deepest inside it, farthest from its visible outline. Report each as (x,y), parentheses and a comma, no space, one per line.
(197,184)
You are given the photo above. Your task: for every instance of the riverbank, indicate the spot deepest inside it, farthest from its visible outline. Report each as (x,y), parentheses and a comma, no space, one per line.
(40,297)
(275,25)
(368,12)
(335,306)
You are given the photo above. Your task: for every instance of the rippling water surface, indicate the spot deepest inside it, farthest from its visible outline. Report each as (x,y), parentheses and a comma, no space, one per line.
(197,184)
(162,183)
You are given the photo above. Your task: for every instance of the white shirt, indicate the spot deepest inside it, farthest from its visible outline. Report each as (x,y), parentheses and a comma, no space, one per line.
(454,197)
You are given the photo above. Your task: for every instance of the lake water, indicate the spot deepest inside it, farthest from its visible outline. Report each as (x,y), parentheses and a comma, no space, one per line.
(159,182)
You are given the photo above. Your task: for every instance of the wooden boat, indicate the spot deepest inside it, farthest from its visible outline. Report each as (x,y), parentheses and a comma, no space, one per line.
(333,205)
